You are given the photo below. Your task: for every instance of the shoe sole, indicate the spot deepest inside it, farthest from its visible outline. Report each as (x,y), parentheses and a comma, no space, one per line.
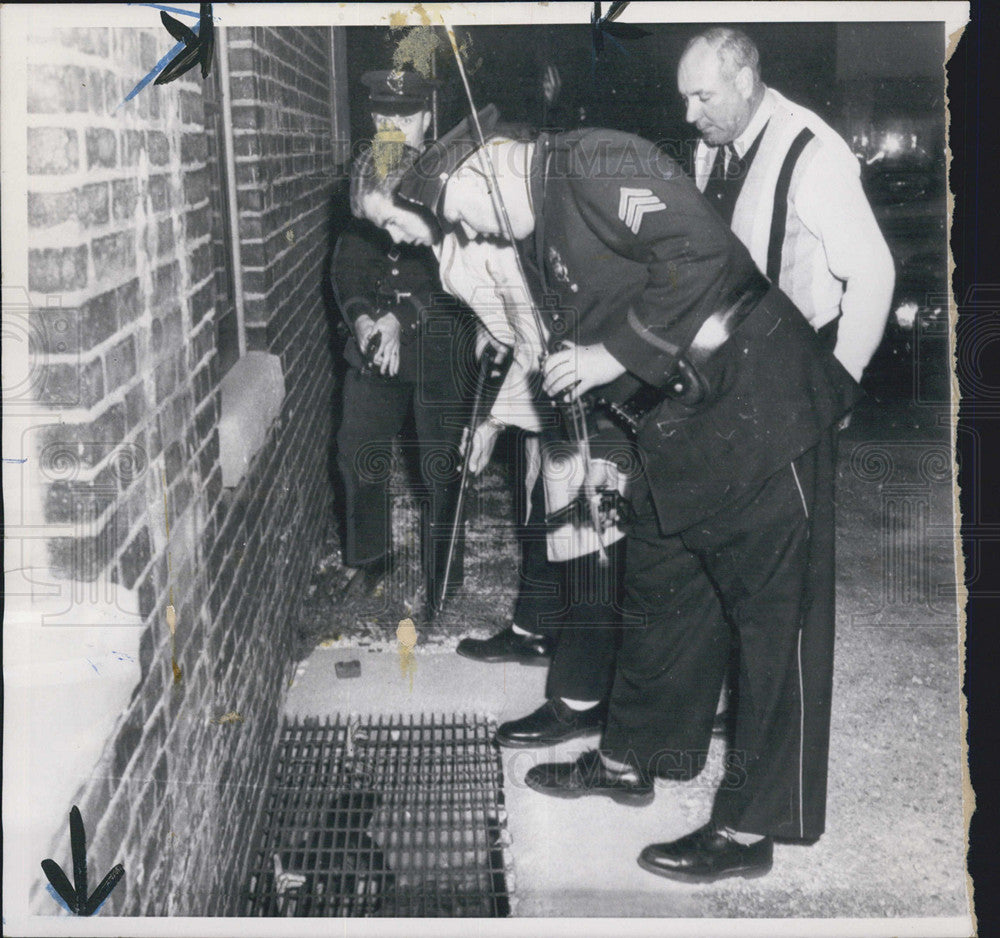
(539,662)
(540,743)
(630,800)
(754,872)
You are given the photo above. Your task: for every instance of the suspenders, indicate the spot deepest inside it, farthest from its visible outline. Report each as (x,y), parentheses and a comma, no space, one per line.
(779,214)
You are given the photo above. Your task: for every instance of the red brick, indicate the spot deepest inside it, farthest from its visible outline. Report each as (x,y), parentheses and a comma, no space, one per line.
(102,147)
(124,196)
(193,148)
(200,263)
(50,208)
(166,284)
(133,143)
(196,184)
(159,148)
(135,406)
(114,92)
(120,363)
(93,40)
(159,192)
(71,385)
(164,237)
(173,462)
(56,89)
(96,90)
(165,379)
(57,270)
(197,222)
(192,107)
(114,255)
(92,204)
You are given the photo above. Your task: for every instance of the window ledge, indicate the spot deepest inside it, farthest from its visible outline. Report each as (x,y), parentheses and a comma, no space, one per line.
(252,395)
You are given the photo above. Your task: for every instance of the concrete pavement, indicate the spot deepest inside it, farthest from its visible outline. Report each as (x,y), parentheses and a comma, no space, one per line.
(576,858)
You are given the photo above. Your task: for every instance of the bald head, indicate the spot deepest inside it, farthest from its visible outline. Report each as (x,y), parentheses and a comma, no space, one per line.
(719,79)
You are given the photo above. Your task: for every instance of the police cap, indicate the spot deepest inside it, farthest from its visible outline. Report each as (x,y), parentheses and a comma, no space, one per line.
(398,91)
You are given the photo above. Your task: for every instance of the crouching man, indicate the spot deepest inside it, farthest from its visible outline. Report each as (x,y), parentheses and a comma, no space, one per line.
(733,396)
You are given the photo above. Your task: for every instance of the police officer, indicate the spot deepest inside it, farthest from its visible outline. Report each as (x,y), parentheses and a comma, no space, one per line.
(400,363)
(733,396)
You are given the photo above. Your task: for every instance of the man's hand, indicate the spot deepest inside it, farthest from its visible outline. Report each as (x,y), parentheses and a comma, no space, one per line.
(575,369)
(387,357)
(484,438)
(363,327)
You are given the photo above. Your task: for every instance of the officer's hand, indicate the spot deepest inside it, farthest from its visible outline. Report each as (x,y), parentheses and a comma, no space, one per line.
(387,357)
(484,438)
(575,369)
(363,327)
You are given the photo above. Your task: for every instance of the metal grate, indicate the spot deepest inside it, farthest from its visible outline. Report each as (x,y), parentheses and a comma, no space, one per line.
(383,817)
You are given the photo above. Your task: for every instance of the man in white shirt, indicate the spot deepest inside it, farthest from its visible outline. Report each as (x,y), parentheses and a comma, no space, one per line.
(791,190)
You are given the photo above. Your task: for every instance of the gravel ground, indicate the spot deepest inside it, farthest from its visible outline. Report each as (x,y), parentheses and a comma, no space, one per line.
(895,830)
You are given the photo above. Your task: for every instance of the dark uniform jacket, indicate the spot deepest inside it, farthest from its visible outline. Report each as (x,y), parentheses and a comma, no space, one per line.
(639,260)
(372,276)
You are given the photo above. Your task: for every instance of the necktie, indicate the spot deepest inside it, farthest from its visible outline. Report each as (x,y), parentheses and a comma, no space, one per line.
(734,167)
(726,180)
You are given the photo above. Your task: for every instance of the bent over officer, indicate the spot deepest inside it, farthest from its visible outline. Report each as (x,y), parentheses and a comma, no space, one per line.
(399,364)
(732,396)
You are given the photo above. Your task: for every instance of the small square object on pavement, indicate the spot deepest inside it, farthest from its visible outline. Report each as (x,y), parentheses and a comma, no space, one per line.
(350,668)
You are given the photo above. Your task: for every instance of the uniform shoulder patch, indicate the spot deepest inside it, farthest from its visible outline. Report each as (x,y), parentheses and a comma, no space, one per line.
(633,204)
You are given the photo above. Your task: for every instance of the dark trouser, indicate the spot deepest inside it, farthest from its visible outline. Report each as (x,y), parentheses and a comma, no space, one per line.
(768,556)
(375,412)
(575,602)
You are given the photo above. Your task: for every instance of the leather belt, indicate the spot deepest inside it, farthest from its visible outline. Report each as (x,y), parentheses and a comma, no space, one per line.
(687,384)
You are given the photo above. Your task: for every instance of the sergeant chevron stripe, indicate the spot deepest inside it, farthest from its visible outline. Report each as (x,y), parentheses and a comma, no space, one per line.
(634,203)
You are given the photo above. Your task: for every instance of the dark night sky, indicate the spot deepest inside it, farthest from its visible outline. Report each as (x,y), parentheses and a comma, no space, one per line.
(897,66)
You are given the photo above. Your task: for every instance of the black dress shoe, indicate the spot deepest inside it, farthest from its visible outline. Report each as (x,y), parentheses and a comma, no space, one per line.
(551,723)
(507,645)
(589,776)
(706,855)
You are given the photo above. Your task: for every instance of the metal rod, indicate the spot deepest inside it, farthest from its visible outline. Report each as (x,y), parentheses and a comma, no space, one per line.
(485,366)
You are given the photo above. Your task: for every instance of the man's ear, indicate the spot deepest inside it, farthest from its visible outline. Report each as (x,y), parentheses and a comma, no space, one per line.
(744,82)
(426,122)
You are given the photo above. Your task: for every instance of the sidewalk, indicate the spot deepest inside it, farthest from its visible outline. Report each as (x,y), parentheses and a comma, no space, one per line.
(576,858)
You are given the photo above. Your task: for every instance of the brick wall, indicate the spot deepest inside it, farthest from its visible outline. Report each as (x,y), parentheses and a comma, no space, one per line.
(123,211)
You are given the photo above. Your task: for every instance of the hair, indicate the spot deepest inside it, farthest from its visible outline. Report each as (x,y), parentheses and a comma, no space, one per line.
(379,169)
(398,109)
(735,49)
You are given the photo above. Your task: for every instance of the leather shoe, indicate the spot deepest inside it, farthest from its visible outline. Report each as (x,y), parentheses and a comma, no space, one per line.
(589,776)
(551,723)
(507,645)
(706,855)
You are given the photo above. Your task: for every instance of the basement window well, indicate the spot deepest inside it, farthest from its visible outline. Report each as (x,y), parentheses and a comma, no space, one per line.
(396,817)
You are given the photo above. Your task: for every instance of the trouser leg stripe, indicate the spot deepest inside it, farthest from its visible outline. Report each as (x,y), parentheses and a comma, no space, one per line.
(802,729)
(798,485)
